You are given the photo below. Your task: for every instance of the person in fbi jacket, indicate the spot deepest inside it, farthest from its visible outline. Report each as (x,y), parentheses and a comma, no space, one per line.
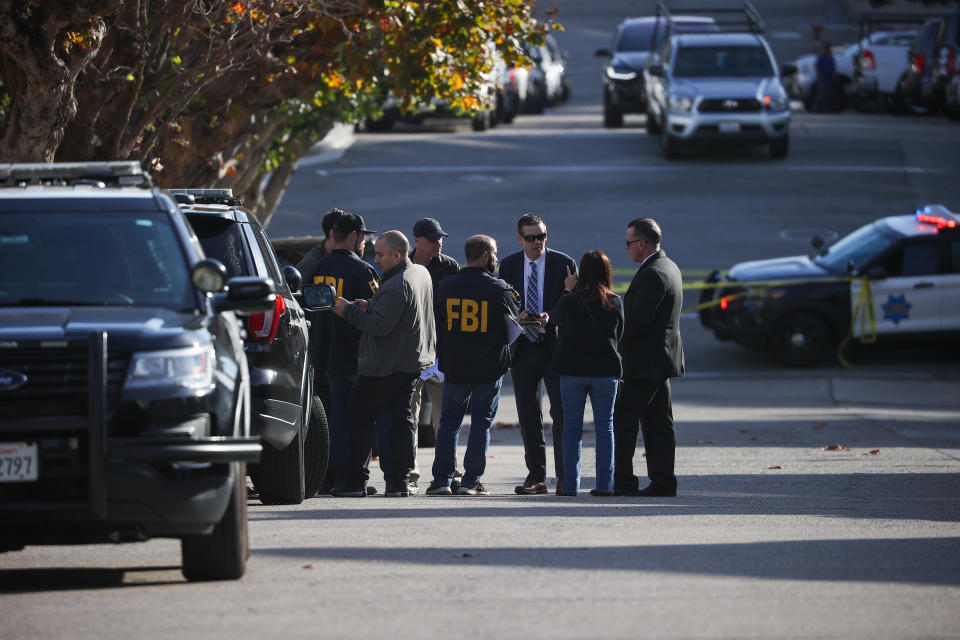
(474,311)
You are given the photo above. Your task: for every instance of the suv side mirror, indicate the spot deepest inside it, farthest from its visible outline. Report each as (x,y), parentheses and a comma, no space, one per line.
(656,69)
(292,277)
(246,295)
(317,297)
(602,53)
(788,69)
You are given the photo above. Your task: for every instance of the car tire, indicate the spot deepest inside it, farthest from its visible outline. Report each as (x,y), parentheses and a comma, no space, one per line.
(279,477)
(801,339)
(612,117)
(653,125)
(780,147)
(316,449)
(481,121)
(221,555)
(668,145)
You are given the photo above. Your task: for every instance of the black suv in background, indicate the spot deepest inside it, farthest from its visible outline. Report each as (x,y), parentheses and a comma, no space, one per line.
(124,389)
(286,412)
(636,40)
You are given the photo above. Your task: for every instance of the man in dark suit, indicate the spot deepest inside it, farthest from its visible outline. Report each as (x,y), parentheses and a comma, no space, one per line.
(538,275)
(652,354)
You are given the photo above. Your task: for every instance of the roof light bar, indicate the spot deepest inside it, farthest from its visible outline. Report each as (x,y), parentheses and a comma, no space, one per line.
(938,215)
(121,172)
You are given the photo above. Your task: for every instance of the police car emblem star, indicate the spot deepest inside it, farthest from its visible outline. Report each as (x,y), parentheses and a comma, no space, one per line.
(896,308)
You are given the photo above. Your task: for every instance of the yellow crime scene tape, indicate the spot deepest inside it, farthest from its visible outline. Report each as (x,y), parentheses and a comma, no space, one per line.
(862,311)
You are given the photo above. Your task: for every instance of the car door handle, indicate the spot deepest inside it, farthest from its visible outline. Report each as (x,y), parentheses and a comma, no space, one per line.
(923,285)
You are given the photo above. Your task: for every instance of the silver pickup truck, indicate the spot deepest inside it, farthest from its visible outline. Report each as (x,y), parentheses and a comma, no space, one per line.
(717,87)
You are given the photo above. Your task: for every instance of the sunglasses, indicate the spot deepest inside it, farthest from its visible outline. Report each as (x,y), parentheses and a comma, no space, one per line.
(535,237)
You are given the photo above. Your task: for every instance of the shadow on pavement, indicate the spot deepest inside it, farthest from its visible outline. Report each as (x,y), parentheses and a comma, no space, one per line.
(906,496)
(63,579)
(928,561)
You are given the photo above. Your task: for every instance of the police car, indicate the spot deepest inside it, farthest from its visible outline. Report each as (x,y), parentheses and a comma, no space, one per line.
(896,277)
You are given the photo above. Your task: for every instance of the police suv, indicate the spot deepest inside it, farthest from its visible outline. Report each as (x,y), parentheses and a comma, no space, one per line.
(896,277)
(124,388)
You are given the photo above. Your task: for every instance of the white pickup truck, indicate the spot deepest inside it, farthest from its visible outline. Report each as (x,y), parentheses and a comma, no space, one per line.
(880,64)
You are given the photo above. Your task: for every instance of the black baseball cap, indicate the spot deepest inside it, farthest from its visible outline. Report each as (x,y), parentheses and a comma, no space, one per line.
(430,229)
(350,222)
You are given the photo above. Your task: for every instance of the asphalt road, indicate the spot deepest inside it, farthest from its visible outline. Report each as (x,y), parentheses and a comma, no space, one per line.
(771,536)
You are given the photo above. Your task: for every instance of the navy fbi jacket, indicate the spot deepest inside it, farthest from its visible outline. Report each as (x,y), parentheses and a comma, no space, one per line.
(337,341)
(471,329)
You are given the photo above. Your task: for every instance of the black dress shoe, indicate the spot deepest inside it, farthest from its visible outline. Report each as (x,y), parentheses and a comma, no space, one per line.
(601,494)
(531,488)
(621,491)
(652,491)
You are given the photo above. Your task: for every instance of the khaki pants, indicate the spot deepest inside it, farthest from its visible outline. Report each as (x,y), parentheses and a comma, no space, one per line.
(434,389)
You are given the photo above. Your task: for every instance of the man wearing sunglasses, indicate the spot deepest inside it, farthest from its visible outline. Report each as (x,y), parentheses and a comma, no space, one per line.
(538,275)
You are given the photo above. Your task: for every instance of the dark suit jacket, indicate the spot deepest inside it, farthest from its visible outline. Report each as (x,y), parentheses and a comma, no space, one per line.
(651,346)
(554,273)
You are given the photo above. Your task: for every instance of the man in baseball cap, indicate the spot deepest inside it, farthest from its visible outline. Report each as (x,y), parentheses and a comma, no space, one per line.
(428,238)
(349,223)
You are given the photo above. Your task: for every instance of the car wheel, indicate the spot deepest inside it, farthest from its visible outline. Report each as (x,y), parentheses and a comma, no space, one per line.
(316,449)
(801,339)
(221,555)
(780,147)
(653,125)
(612,117)
(481,121)
(669,145)
(279,477)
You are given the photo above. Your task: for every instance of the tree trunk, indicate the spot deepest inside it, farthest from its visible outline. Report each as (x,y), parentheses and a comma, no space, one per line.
(39,65)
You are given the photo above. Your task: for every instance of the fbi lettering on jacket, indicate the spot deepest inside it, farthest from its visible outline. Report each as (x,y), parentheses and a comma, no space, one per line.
(466,315)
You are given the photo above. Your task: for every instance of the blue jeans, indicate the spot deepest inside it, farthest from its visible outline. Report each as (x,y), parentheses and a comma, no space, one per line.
(486,398)
(603,393)
(340,385)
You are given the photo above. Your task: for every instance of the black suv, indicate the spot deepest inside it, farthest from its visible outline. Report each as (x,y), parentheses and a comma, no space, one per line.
(286,413)
(124,388)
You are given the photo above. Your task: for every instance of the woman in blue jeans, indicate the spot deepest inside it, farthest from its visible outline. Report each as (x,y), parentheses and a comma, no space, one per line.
(588,362)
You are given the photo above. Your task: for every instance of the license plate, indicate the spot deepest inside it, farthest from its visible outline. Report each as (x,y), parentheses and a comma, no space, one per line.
(19,462)
(729,127)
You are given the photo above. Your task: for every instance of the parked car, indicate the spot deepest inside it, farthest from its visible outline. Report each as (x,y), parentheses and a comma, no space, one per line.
(915,90)
(125,390)
(944,65)
(909,264)
(287,414)
(952,93)
(547,83)
(878,67)
(635,40)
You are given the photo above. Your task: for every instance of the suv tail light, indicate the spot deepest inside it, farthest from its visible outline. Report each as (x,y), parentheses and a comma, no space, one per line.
(951,65)
(867,61)
(263,326)
(918,64)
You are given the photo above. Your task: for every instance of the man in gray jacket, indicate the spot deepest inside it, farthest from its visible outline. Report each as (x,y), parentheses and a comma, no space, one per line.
(398,342)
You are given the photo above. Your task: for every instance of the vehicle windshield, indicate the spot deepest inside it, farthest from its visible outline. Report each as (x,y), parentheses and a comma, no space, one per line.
(92,259)
(857,249)
(639,37)
(722,62)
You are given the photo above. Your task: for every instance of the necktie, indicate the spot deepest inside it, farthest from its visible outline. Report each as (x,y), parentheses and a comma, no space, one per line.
(533,299)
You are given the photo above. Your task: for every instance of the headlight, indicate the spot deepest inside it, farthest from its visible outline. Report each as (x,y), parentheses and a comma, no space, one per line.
(620,74)
(681,104)
(775,103)
(191,368)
